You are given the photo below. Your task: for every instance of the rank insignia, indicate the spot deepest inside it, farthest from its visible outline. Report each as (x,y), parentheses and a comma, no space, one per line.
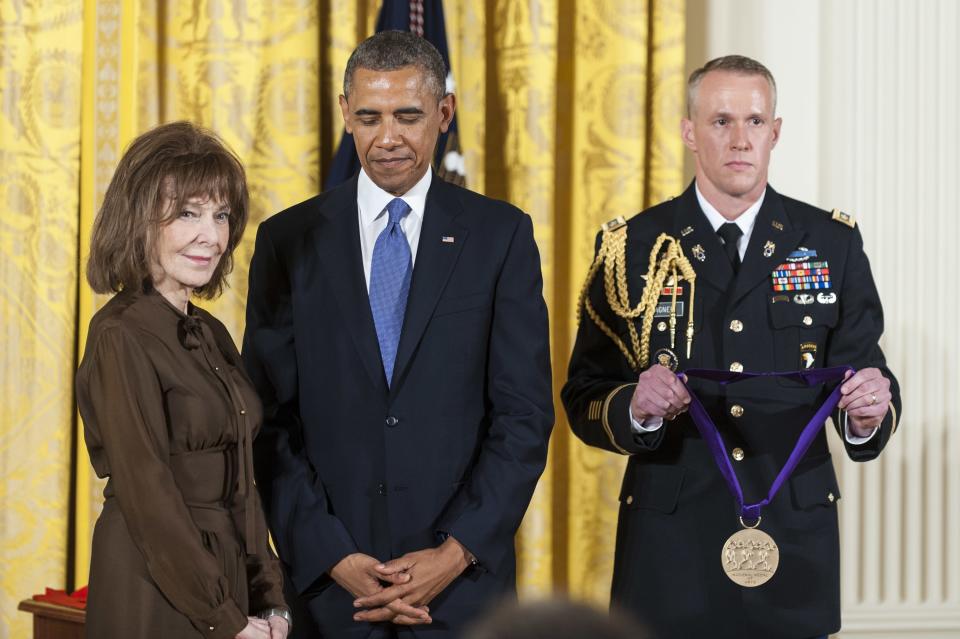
(808,354)
(843,218)
(667,358)
(803,298)
(699,253)
(769,248)
(613,225)
(827,298)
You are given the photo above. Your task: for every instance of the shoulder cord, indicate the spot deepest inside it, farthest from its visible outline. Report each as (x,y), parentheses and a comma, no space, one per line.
(612,256)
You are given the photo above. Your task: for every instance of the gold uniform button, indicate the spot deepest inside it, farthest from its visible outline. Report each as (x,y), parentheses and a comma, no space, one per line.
(662,326)
(807,320)
(737,454)
(736,410)
(831,498)
(736,367)
(629,499)
(736,326)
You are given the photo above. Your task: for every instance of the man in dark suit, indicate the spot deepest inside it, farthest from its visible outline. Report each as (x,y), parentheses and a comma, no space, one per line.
(397,333)
(764,283)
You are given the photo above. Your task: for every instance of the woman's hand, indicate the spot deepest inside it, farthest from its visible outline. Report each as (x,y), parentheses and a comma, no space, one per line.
(278,627)
(255,629)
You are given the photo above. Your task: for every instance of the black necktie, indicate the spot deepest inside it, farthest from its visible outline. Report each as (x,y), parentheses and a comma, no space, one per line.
(730,233)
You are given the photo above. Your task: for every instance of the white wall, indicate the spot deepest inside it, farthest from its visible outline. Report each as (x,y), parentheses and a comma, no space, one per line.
(869,91)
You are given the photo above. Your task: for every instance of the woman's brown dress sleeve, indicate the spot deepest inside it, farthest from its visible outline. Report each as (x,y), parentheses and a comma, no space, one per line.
(121,400)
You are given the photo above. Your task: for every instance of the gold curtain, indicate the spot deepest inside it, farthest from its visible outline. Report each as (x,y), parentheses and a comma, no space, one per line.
(568,109)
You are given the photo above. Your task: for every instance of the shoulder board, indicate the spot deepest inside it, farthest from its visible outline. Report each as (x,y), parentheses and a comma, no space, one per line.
(613,225)
(844,218)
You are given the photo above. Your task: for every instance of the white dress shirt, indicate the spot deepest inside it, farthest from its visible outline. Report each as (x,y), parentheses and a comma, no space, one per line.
(746,222)
(372,205)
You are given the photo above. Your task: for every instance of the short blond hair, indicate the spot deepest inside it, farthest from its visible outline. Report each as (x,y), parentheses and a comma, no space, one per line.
(735,64)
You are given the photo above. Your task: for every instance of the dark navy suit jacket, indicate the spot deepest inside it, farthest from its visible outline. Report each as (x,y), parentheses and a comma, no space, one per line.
(454,445)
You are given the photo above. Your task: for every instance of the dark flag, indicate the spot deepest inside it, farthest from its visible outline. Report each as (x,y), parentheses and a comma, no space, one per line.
(425,18)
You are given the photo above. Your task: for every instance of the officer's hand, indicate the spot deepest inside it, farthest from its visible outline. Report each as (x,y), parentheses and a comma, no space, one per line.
(865,396)
(659,394)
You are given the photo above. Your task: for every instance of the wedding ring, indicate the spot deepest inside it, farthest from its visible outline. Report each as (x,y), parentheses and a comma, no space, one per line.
(873,398)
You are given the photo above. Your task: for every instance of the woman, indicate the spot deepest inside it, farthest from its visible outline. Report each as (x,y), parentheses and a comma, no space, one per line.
(181,548)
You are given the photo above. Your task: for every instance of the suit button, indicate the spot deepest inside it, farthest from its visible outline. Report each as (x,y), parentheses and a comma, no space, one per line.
(807,320)
(736,410)
(392,421)
(661,326)
(830,497)
(736,326)
(736,367)
(381,489)
(629,499)
(737,454)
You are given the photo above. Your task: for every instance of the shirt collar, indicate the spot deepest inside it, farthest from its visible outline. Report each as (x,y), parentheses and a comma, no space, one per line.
(745,220)
(372,200)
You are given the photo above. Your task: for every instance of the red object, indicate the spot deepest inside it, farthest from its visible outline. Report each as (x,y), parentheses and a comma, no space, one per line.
(60,597)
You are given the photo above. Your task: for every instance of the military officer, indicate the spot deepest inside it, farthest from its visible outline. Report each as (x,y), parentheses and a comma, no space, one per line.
(729,275)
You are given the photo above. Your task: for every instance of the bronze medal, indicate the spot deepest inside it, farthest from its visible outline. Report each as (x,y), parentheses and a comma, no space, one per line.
(750,557)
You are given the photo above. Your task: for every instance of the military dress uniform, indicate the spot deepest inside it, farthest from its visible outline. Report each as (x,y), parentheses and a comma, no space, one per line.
(675,509)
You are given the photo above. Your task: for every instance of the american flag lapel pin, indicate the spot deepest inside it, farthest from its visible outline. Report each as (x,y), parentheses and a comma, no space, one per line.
(447,239)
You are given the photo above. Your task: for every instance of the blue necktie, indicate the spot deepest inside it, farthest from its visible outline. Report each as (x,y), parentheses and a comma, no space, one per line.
(390,273)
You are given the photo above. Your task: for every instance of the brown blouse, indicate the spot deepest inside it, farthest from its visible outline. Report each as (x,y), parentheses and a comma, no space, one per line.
(169,418)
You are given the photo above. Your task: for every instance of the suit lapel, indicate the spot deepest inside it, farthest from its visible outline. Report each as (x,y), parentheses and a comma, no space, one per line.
(772,232)
(337,241)
(700,243)
(434,264)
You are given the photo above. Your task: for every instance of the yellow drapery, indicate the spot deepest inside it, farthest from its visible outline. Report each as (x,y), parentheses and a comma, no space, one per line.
(568,109)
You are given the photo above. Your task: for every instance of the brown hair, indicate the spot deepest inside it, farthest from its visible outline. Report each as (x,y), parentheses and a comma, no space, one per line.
(171,163)
(734,63)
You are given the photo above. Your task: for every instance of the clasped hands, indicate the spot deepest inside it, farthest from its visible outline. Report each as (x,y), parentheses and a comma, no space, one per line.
(400,590)
(864,395)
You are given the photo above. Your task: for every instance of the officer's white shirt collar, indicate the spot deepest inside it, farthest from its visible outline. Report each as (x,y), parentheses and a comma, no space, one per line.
(373,217)
(745,220)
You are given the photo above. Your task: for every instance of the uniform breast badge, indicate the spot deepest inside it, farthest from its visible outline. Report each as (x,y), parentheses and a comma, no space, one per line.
(769,248)
(666,358)
(667,267)
(699,253)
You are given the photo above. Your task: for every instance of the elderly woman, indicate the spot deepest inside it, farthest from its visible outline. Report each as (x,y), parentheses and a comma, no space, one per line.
(181,547)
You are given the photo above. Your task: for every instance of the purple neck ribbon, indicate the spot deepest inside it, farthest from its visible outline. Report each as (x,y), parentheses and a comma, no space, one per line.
(708,430)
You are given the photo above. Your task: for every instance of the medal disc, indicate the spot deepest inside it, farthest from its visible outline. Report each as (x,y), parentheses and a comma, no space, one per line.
(750,557)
